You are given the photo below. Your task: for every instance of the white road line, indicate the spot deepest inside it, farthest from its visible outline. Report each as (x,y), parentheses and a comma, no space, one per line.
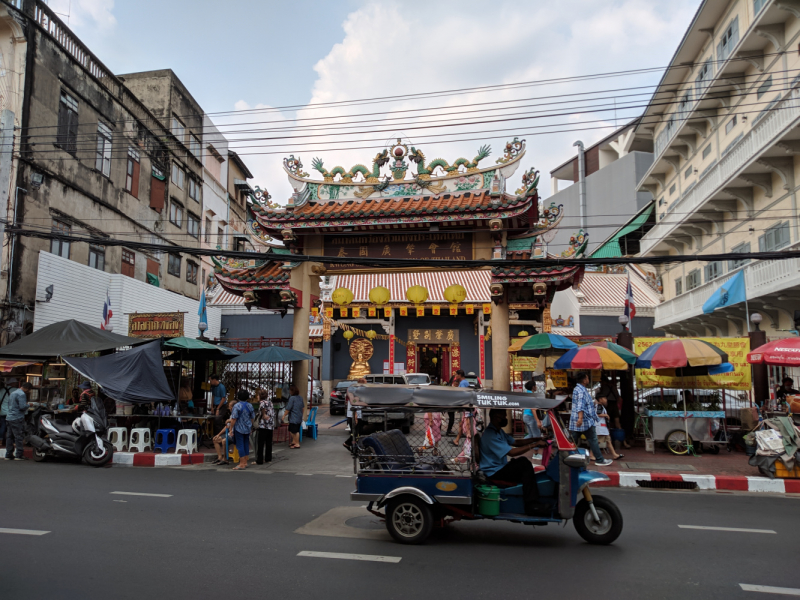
(23,531)
(305,474)
(143,494)
(120,500)
(348,476)
(727,529)
(766,589)
(368,557)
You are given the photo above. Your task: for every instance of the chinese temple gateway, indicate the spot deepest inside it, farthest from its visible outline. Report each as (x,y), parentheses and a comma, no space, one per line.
(406,206)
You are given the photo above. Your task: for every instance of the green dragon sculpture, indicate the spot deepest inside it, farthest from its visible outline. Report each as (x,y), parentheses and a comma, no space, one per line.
(347,176)
(426,171)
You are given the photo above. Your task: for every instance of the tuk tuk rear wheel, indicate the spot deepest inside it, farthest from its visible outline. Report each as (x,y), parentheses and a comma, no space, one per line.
(609,527)
(409,519)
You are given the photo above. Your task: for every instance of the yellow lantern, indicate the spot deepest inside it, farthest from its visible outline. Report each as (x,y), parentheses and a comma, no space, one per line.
(455,294)
(348,335)
(417,294)
(342,296)
(379,295)
(434,360)
(523,334)
(371,334)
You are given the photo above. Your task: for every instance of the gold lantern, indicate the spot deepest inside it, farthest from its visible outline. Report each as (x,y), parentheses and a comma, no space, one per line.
(348,335)
(379,295)
(523,334)
(434,360)
(342,296)
(371,334)
(455,294)
(417,294)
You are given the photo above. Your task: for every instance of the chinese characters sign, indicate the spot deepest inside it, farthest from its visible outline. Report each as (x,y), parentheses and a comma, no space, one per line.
(433,336)
(431,246)
(739,379)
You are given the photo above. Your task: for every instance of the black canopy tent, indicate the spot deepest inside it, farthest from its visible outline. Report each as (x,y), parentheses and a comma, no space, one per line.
(136,375)
(65,338)
(377,396)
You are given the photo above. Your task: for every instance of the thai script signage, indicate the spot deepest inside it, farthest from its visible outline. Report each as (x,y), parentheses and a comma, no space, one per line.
(430,246)
(155,325)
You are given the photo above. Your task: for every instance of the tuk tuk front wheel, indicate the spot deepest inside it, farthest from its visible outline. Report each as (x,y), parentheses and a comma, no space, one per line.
(607,529)
(409,519)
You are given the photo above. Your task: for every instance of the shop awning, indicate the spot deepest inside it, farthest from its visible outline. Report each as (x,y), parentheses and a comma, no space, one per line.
(65,338)
(611,248)
(7,365)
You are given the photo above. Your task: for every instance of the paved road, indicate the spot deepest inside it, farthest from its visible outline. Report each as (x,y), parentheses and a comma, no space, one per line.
(223,534)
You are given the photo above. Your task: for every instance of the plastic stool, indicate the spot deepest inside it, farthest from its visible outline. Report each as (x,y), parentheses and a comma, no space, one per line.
(165,439)
(140,439)
(118,437)
(187,440)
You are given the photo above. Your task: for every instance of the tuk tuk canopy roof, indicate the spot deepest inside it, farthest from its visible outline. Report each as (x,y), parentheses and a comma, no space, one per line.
(430,396)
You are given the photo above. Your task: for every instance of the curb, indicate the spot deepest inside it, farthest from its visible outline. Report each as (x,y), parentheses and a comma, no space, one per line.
(628,479)
(149,459)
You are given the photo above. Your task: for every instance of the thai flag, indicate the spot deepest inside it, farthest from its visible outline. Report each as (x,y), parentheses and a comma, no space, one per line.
(107,314)
(630,307)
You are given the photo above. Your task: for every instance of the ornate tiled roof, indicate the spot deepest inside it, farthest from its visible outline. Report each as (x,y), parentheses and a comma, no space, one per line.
(269,276)
(388,210)
(534,274)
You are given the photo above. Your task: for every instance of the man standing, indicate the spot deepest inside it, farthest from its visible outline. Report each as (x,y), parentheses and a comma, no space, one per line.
(15,421)
(218,393)
(496,445)
(4,394)
(583,418)
(459,380)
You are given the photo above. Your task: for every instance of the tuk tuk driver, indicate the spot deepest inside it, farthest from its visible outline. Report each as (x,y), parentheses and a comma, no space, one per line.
(496,445)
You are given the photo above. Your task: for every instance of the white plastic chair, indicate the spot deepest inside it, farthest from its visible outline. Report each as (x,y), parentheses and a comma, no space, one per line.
(118,437)
(187,440)
(141,439)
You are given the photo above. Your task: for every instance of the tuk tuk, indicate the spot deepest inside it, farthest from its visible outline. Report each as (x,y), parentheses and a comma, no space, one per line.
(423,480)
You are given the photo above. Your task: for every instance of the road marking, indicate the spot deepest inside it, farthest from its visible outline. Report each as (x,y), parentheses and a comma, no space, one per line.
(23,531)
(367,557)
(766,589)
(348,476)
(727,529)
(120,500)
(305,474)
(143,494)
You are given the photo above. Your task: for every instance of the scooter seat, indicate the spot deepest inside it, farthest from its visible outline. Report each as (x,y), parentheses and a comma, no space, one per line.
(62,426)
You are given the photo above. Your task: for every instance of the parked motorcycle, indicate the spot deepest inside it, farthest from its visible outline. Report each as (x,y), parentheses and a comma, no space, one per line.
(85,438)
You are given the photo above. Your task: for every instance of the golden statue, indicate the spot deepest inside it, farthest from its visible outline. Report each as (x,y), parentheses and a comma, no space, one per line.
(361,351)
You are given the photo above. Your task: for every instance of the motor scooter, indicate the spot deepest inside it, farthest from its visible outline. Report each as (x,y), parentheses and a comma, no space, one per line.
(85,438)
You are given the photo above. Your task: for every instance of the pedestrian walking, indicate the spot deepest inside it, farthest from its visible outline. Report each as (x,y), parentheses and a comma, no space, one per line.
(15,421)
(293,413)
(242,421)
(583,419)
(266,425)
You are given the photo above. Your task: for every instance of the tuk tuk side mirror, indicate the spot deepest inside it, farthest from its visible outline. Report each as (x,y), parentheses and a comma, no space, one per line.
(576,461)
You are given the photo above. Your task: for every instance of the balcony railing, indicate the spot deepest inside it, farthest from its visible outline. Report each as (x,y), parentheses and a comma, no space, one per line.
(761,278)
(752,145)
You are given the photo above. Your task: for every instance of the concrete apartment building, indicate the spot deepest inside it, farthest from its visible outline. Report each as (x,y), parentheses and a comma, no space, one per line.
(216,211)
(612,168)
(724,124)
(95,155)
(238,191)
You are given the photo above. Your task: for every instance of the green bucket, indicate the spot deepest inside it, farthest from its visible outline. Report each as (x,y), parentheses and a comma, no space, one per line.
(488,500)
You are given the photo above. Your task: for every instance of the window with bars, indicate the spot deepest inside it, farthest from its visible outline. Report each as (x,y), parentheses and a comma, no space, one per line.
(176,214)
(193,225)
(97,257)
(128,262)
(739,249)
(191,272)
(60,247)
(174,265)
(132,173)
(103,160)
(177,175)
(728,40)
(68,123)
(693,280)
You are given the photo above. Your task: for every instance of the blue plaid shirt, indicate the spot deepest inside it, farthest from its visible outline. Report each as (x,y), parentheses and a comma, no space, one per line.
(582,402)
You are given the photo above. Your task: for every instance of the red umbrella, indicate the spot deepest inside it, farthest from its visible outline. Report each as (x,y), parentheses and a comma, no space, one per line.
(780,352)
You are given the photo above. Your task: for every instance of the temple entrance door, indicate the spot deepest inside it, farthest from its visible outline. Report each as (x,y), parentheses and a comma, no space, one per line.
(434,359)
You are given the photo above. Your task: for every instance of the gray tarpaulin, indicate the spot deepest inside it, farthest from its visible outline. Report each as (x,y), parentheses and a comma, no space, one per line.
(136,375)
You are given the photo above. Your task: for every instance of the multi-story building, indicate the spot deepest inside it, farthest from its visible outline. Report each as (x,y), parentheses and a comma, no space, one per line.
(238,191)
(607,193)
(723,122)
(215,193)
(91,159)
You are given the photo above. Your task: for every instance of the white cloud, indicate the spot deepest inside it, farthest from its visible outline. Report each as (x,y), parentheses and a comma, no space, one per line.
(387,51)
(86,13)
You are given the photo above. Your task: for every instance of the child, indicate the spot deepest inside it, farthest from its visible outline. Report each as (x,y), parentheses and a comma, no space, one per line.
(603,434)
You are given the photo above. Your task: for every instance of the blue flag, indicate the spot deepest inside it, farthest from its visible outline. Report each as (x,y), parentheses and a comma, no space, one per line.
(202,310)
(729,293)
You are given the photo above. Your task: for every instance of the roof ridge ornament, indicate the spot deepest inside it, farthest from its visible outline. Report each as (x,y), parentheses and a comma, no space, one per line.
(513,149)
(294,166)
(426,171)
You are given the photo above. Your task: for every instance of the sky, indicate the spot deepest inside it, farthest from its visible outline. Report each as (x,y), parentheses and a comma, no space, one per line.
(256,55)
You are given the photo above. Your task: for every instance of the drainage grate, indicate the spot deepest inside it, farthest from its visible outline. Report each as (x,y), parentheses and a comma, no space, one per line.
(667,485)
